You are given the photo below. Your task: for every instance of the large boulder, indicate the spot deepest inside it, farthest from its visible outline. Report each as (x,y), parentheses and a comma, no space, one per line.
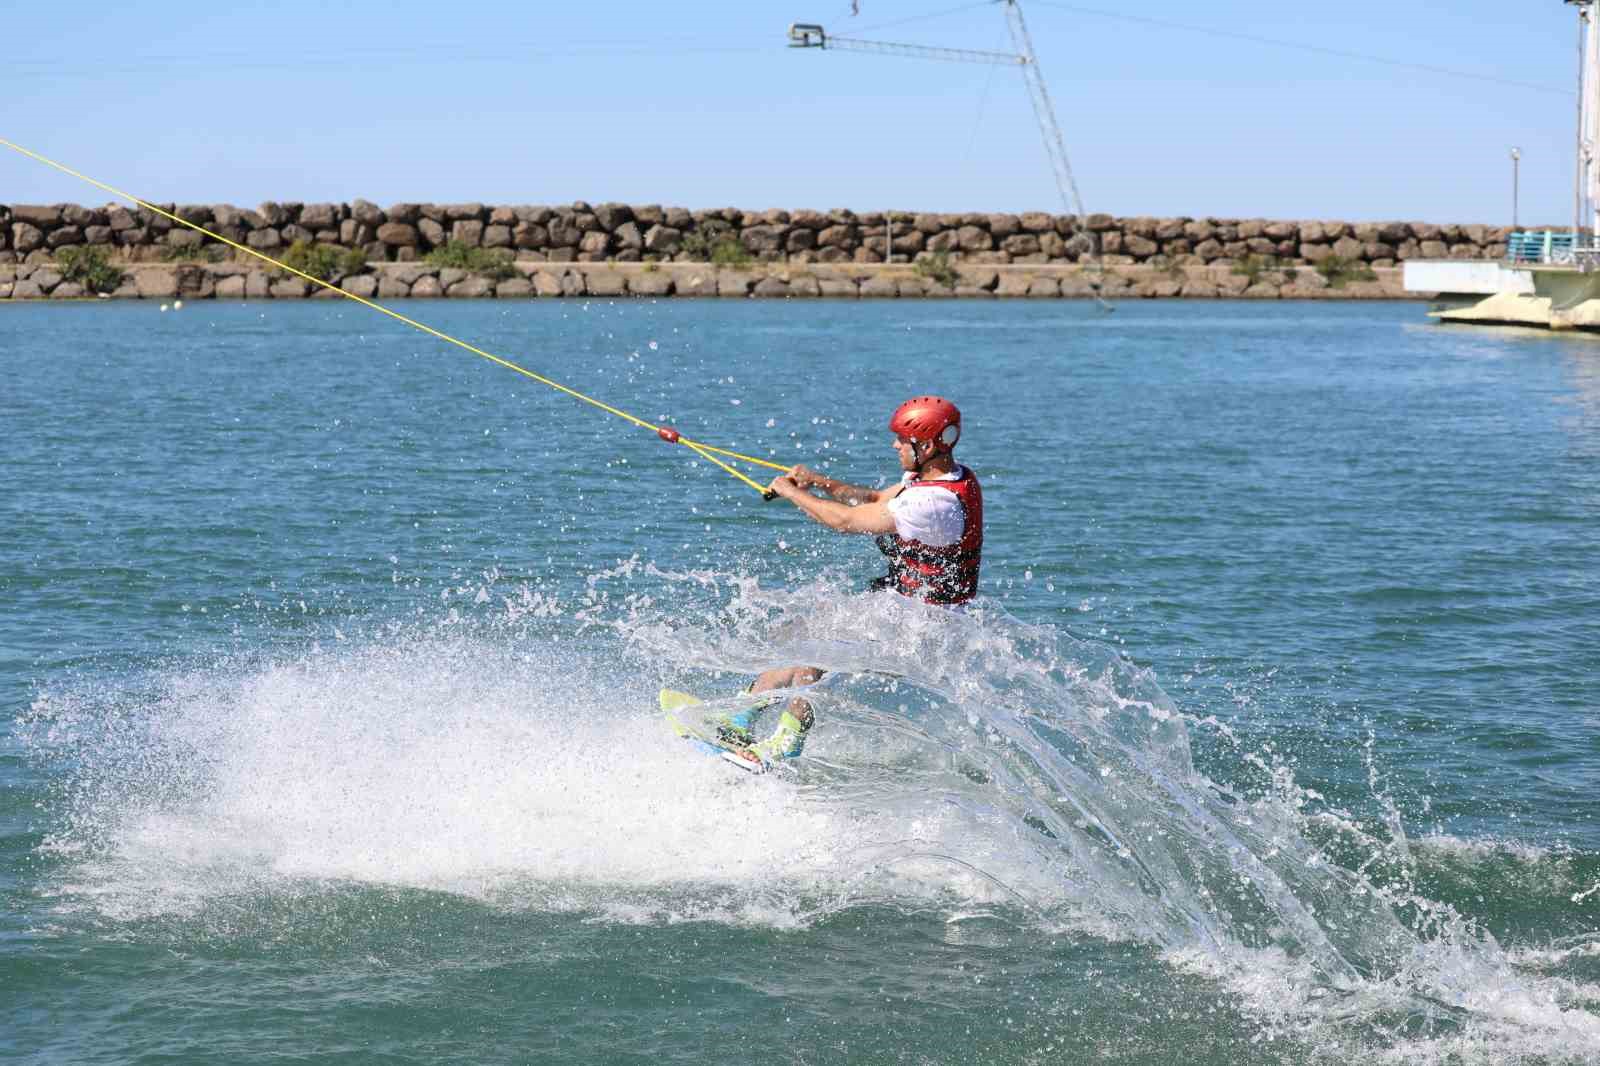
(391,287)
(662,238)
(1037,222)
(319,216)
(64,236)
(468,231)
(530,235)
(839,236)
(427,287)
(1349,247)
(25,236)
(472,287)
(1020,244)
(353,233)
(463,212)
(431,231)
(564,231)
(495,236)
(628,237)
(1139,247)
(362,285)
(763,240)
(367,213)
(37,215)
(398,234)
(1003,226)
(974,239)
(612,215)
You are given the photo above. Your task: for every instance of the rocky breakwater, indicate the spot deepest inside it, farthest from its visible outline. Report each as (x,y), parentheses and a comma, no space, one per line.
(616,249)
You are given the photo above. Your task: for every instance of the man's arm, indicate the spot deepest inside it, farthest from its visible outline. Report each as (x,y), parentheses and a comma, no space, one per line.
(854,495)
(872,517)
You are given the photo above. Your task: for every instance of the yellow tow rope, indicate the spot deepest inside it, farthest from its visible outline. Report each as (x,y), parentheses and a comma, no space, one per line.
(666,433)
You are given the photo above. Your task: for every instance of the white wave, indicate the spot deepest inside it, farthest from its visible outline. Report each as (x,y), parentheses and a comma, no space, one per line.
(964,761)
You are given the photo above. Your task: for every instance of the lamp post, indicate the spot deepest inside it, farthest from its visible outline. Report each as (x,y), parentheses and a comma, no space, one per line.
(1516,158)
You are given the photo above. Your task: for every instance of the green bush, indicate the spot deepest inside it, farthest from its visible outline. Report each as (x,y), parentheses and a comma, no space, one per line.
(492,263)
(1253,266)
(715,243)
(935,266)
(1340,271)
(729,251)
(89,266)
(191,253)
(324,261)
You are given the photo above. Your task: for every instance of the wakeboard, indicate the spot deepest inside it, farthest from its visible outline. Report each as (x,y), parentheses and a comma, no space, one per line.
(720,729)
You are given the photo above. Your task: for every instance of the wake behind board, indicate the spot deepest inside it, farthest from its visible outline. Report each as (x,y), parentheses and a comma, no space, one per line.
(720,728)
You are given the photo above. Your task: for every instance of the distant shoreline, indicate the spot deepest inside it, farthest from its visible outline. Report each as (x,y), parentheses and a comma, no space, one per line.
(387,281)
(615,249)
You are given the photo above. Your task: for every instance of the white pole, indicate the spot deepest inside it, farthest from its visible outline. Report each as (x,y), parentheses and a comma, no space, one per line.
(1577,173)
(1591,126)
(1516,157)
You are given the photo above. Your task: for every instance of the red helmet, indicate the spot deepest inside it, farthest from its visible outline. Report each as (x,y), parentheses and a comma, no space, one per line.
(927,418)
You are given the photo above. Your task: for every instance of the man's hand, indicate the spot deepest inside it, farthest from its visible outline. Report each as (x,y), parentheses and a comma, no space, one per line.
(784,485)
(806,477)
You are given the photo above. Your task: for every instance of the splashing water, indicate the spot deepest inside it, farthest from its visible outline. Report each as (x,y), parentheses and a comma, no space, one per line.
(961,761)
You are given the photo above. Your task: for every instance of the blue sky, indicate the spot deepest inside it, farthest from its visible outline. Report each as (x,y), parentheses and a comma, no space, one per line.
(701,105)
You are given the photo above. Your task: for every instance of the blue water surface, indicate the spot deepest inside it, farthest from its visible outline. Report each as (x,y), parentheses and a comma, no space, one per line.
(1359,547)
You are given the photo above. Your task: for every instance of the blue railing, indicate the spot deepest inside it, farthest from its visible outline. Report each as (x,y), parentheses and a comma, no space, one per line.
(1540,246)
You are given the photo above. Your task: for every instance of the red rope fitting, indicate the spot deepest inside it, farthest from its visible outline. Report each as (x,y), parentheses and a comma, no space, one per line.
(667,433)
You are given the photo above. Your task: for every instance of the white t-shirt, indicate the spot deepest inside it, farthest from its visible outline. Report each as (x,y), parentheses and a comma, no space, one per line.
(933,516)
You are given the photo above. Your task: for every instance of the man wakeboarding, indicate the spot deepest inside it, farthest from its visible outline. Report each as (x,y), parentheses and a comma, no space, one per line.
(929,524)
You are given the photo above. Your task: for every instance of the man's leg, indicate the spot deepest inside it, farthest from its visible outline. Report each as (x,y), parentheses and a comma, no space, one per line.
(789,677)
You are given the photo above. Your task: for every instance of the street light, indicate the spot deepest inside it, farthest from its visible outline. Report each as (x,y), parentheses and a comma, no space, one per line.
(1516,158)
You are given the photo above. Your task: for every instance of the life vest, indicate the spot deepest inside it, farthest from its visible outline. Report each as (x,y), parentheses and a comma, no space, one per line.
(943,576)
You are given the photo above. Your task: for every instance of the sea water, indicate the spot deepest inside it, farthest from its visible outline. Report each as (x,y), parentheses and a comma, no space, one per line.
(329,654)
